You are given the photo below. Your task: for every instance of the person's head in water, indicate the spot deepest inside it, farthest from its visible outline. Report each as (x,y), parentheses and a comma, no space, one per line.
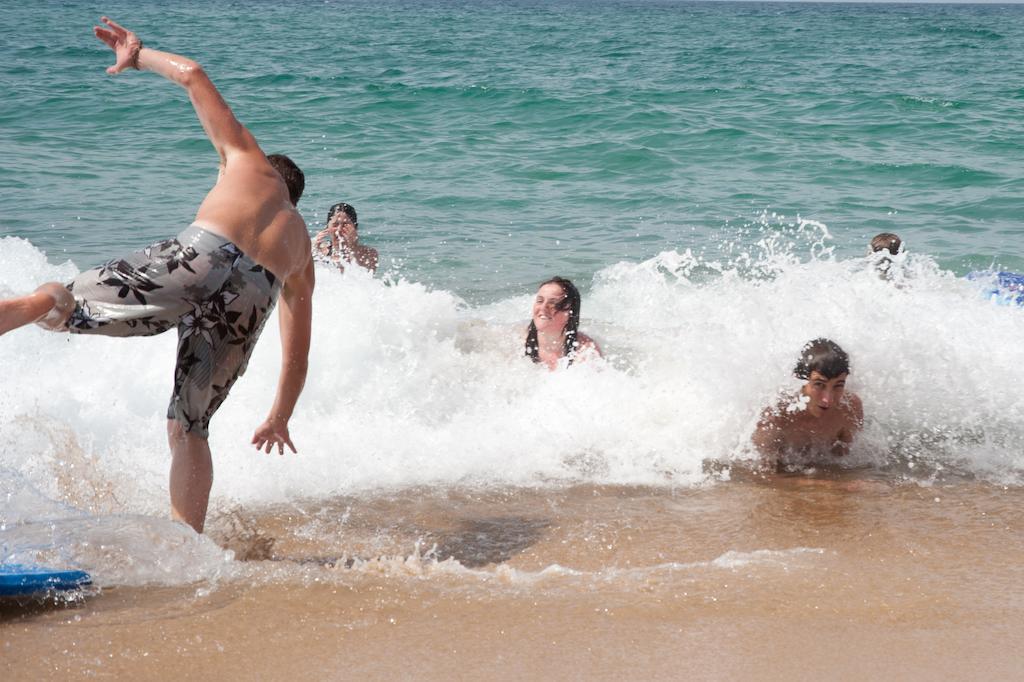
(886,241)
(556,310)
(290,173)
(344,212)
(824,367)
(882,249)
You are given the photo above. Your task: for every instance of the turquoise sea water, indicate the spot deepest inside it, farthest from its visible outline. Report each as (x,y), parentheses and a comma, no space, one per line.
(488,145)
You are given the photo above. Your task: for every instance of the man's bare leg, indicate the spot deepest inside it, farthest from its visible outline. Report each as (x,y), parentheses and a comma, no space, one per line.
(51,301)
(191,475)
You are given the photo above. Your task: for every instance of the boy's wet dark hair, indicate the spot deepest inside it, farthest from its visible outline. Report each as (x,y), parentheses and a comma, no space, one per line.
(347,209)
(886,241)
(290,173)
(824,357)
(571,302)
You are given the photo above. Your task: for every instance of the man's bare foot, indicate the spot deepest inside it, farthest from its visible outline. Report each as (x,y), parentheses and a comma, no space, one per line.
(51,301)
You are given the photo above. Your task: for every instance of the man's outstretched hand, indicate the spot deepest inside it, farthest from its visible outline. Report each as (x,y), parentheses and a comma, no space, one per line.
(124,43)
(270,433)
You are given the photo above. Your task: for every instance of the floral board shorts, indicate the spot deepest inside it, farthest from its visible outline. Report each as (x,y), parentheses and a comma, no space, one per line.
(199,282)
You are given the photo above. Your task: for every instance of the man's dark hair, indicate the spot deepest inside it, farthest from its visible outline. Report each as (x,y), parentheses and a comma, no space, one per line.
(571,302)
(886,241)
(291,175)
(824,357)
(347,209)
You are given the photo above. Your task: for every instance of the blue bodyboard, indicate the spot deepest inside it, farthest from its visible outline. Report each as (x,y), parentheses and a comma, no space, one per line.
(1004,288)
(19,580)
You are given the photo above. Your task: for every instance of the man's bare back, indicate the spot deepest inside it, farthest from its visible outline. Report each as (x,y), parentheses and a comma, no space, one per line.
(250,206)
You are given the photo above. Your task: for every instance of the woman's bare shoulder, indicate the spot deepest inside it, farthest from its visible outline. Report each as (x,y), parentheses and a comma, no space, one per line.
(587,343)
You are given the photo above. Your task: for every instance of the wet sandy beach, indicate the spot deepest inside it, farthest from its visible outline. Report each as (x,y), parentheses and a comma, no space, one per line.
(848,578)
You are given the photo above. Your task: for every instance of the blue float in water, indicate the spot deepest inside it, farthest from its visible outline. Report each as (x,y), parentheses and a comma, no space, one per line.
(19,580)
(1004,288)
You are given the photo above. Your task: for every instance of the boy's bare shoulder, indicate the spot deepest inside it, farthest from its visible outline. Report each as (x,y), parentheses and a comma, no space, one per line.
(780,411)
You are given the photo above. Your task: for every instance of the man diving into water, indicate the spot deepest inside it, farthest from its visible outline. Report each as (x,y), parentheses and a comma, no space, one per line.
(216,282)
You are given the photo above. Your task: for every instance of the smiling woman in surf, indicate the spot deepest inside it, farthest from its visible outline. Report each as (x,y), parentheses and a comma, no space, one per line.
(554,332)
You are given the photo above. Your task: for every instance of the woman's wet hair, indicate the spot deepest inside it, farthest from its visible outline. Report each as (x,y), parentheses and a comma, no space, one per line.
(291,174)
(571,302)
(347,209)
(824,357)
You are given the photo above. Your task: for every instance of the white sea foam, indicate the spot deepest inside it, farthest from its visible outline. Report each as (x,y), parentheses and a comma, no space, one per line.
(422,564)
(411,386)
(768,557)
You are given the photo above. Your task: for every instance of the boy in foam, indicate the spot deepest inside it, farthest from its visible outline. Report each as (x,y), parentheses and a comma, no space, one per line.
(882,249)
(216,282)
(824,419)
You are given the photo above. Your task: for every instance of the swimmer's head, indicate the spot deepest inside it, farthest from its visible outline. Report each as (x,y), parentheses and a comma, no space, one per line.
(823,366)
(824,357)
(291,175)
(346,209)
(882,251)
(886,241)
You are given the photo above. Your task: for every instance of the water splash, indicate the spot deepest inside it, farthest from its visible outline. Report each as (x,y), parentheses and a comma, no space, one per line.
(412,386)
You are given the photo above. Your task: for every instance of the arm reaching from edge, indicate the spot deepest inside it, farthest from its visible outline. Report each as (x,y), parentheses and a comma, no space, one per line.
(229,137)
(295,314)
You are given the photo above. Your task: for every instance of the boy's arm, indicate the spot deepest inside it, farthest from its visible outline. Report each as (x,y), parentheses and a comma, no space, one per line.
(295,314)
(229,137)
(768,438)
(855,421)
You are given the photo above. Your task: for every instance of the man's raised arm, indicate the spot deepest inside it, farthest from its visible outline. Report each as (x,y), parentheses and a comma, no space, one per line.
(229,137)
